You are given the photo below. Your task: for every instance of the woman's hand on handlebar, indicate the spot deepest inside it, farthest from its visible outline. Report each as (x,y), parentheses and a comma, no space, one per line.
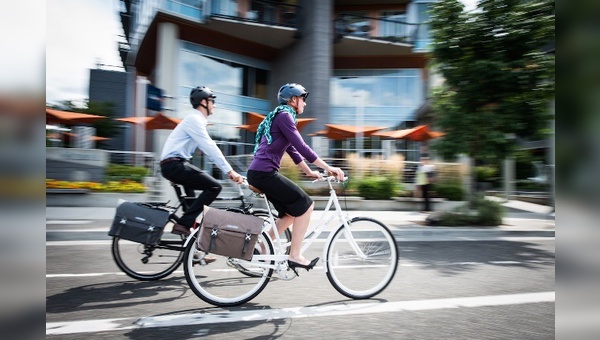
(314,174)
(337,172)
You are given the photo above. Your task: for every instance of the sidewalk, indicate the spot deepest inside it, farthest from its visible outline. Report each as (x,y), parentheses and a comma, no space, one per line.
(520,216)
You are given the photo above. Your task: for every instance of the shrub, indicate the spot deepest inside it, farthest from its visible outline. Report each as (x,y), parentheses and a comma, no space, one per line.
(118,172)
(489,213)
(377,187)
(361,167)
(525,184)
(456,219)
(450,191)
(485,173)
(485,213)
(289,169)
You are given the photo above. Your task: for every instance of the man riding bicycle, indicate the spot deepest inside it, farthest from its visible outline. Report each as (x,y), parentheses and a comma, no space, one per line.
(191,134)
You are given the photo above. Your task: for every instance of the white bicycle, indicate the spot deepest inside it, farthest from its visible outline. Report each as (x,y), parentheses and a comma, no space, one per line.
(360,258)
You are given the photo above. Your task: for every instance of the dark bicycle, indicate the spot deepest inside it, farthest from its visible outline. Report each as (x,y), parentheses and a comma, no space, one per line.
(153,262)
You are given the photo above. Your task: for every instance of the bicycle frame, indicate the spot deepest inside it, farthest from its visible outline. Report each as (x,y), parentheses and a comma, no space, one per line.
(279,258)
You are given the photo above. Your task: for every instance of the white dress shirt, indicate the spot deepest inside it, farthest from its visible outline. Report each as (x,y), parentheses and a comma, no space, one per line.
(190,134)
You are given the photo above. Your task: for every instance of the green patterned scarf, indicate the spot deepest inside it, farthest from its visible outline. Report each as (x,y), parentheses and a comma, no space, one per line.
(264,128)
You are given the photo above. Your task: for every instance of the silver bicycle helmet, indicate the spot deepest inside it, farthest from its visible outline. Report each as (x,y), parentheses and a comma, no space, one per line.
(287,91)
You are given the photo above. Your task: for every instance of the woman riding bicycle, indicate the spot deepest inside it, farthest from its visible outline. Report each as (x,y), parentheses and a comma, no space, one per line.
(277,134)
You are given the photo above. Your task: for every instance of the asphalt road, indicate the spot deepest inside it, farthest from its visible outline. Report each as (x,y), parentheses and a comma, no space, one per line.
(467,284)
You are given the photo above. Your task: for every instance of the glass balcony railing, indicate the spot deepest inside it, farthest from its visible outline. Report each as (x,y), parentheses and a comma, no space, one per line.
(262,11)
(389,28)
(377,28)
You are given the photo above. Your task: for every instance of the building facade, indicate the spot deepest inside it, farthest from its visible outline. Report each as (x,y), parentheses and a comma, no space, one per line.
(108,86)
(363,62)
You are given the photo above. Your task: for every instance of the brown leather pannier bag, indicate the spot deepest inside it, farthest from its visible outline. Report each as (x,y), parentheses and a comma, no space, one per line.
(229,233)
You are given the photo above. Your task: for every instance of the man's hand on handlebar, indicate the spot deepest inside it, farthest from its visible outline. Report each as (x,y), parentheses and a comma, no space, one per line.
(234,176)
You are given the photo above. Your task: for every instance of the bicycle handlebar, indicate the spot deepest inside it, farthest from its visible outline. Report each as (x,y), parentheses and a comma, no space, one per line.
(326,177)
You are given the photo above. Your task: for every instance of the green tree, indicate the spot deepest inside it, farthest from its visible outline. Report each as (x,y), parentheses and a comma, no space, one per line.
(498,80)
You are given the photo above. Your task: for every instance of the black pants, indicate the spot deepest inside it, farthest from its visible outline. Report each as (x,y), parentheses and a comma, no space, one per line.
(192,178)
(287,197)
(426,188)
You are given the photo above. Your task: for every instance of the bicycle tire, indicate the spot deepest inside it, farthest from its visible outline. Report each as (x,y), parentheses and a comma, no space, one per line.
(362,277)
(223,283)
(148,263)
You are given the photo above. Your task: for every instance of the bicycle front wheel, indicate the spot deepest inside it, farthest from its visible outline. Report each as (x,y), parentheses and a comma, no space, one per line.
(147,263)
(362,260)
(226,281)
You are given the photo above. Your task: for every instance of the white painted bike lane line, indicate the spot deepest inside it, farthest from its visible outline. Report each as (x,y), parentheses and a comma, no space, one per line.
(181,320)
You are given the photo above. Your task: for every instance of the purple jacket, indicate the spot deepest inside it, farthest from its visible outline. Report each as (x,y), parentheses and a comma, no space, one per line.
(285,137)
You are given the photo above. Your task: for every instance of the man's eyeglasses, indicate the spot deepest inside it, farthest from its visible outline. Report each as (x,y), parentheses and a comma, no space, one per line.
(211,100)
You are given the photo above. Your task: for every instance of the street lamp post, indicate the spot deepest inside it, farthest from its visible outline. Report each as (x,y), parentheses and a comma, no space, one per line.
(509,171)
(360,112)
(140,111)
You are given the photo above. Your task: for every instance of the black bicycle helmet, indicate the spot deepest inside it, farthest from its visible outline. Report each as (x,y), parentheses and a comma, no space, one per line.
(200,93)
(287,91)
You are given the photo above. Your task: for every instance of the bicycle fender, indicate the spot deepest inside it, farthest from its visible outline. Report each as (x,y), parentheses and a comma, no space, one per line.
(328,244)
(187,240)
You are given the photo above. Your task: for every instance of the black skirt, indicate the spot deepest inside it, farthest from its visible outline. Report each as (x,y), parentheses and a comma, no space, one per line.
(285,195)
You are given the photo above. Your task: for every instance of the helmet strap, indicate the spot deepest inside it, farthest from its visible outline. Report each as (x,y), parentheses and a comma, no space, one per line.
(208,111)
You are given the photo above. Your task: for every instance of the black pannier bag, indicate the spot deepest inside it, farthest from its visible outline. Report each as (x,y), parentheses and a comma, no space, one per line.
(139,223)
(229,233)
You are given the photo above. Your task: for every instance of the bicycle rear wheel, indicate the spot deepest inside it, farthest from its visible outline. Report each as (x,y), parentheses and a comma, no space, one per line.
(148,263)
(362,260)
(226,281)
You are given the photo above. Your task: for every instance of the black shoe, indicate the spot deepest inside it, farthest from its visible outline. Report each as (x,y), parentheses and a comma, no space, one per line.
(293,265)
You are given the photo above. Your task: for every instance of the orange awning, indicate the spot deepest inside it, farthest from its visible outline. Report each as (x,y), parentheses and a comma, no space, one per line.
(67,117)
(419,133)
(254,119)
(157,122)
(71,134)
(341,132)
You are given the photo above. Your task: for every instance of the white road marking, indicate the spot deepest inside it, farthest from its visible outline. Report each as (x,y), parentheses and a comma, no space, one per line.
(78,243)
(398,239)
(51,276)
(68,221)
(88,230)
(401,264)
(62,276)
(225,316)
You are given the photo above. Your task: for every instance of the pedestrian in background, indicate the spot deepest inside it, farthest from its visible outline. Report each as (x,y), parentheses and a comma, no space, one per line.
(426,176)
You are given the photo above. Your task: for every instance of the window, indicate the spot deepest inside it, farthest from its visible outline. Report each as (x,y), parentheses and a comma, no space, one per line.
(239,88)
(384,98)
